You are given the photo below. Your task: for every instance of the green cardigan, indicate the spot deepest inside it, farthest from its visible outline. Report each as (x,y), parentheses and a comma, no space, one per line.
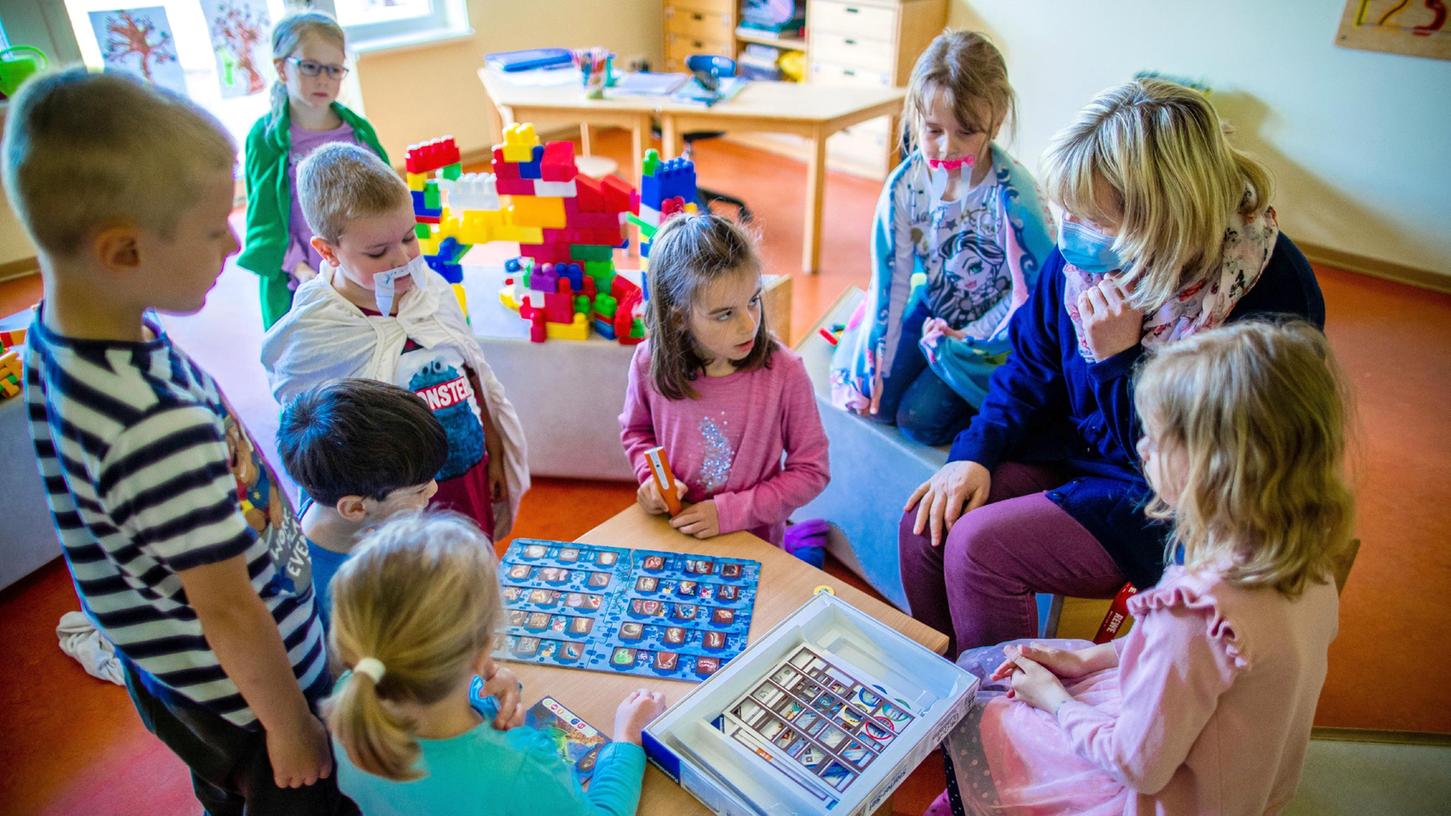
(269,203)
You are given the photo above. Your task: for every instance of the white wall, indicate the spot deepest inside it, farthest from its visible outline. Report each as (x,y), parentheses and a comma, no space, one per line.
(1358,141)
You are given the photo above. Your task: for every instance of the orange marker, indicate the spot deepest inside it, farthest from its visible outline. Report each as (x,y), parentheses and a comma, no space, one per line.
(664,479)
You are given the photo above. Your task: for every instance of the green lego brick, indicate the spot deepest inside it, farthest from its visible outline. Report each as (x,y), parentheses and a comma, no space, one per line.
(581,304)
(601,271)
(459,252)
(652,160)
(453,171)
(647,230)
(606,305)
(422,230)
(431,197)
(584,252)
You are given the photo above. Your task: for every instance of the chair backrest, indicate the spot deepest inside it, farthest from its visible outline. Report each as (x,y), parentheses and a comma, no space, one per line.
(1342,567)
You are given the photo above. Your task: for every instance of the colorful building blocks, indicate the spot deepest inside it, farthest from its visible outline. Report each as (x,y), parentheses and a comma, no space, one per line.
(666,188)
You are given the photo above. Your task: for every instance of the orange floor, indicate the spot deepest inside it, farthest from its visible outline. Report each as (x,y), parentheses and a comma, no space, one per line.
(72,744)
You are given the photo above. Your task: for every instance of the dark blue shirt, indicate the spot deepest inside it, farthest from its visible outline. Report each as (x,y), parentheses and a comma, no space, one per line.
(1048,404)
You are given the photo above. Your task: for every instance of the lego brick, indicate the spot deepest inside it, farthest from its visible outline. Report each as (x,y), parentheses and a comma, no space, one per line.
(576,329)
(585,252)
(537,212)
(558,162)
(416,180)
(458,293)
(432,198)
(550,253)
(589,194)
(558,307)
(471,191)
(422,231)
(532,167)
(556,189)
(651,161)
(618,194)
(519,142)
(517,233)
(431,155)
(504,169)
(12,338)
(452,171)
(514,187)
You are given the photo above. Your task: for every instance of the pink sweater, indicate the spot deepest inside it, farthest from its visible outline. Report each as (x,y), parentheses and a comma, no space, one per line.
(1208,711)
(727,444)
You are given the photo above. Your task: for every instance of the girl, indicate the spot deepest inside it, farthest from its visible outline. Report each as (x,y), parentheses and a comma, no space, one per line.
(966,217)
(1167,231)
(308,52)
(715,388)
(1206,705)
(414,616)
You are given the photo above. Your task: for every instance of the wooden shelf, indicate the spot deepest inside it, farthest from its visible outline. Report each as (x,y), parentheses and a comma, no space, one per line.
(792,43)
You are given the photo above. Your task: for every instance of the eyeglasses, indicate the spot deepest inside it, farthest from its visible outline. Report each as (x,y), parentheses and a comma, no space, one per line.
(308,68)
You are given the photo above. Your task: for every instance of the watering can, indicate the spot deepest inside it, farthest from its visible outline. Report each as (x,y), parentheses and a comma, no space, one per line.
(17,63)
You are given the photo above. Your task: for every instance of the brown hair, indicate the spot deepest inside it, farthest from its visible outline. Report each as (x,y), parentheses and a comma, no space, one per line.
(339,182)
(969,69)
(689,253)
(1259,412)
(420,595)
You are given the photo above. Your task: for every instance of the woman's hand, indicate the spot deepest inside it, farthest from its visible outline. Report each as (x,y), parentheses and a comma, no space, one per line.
(1110,324)
(940,500)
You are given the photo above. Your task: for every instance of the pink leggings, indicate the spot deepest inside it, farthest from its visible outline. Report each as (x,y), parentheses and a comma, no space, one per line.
(978,587)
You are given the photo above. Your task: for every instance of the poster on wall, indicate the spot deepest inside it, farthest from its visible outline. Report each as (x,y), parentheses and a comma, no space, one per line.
(239,31)
(1416,28)
(140,41)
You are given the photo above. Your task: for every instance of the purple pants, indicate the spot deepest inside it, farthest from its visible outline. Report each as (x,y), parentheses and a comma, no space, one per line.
(978,586)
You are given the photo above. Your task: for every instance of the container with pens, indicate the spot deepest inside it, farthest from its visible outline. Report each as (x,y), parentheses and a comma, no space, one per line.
(595,66)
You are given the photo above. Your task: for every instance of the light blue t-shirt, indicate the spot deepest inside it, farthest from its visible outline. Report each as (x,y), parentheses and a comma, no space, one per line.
(325,564)
(486,772)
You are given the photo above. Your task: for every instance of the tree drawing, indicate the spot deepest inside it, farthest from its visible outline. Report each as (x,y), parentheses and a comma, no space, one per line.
(128,34)
(239,29)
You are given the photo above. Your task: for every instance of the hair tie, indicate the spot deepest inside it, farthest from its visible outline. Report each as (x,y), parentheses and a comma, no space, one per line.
(371,666)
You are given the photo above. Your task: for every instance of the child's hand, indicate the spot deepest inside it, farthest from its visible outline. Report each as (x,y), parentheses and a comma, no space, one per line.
(699,520)
(635,712)
(503,685)
(650,499)
(1110,324)
(300,755)
(498,483)
(1037,686)
(1068,664)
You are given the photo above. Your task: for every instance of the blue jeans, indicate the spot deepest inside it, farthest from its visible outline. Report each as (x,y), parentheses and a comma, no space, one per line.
(913,397)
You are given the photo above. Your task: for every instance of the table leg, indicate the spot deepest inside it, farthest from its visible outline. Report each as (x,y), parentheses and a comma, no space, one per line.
(815,193)
(670,138)
(639,140)
(584,138)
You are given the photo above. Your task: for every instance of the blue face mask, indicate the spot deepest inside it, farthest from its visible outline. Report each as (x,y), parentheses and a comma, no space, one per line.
(1087,248)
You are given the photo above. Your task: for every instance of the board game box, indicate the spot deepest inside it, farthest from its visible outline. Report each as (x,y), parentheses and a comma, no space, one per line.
(825,714)
(644,612)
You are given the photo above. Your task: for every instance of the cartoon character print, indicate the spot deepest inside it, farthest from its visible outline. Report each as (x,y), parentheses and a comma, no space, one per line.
(448,393)
(266,510)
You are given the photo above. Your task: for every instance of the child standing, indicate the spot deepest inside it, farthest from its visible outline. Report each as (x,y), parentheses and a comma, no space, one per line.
(376,310)
(182,547)
(309,51)
(1206,705)
(362,450)
(715,388)
(415,613)
(966,217)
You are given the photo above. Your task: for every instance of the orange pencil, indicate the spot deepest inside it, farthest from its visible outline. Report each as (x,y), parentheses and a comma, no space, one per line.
(664,479)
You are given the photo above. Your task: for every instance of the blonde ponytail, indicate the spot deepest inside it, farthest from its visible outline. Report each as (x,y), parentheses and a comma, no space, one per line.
(420,595)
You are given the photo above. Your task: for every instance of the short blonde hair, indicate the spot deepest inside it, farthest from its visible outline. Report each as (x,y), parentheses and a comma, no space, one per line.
(1173,180)
(971,72)
(1259,411)
(287,36)
(340,182)
(421,595)
(88,150)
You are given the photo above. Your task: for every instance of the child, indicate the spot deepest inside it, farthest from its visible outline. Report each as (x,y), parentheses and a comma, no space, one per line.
(1206,705)
(376,310)
(182,548)
(715,388)
(415,612)
(362,450)
(964,215)
(308,50)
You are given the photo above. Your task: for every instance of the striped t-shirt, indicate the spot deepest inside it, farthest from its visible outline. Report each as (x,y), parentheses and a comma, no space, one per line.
(148,474)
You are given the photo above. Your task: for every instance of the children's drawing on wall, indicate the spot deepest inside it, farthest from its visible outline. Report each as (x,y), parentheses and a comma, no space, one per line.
(140,41)
(1412,27)
(239,39)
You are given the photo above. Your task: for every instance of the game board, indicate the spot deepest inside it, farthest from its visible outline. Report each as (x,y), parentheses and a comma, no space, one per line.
(657,614)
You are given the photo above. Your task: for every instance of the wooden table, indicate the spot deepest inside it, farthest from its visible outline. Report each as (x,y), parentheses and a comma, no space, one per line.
(786,584)
(807,110)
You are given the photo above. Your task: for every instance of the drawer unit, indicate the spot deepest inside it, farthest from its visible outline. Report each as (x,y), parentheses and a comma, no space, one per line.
(697,27)
(852,51)
(854,20)
(831,73)
(701,25)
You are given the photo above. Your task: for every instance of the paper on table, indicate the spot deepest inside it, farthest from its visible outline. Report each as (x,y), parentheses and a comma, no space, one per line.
(545,77)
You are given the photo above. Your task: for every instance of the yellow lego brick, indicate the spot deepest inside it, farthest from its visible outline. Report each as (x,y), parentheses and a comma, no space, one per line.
(576,330)
(519,142)
(506,297)
(417,181)
(429,246)
(458,292)
(532,211)
(480,227)
(519,234)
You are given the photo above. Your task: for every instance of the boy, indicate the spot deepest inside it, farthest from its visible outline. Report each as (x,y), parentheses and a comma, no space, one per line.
(363,450)
(183,551)
(377,311)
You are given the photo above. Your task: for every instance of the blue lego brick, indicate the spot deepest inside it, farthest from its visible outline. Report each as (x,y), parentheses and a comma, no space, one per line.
(672,178)
(574,272)
(532,169)
(451,272)
(604,328)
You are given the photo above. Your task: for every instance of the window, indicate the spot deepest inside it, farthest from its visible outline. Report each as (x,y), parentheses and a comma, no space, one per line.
(374,25)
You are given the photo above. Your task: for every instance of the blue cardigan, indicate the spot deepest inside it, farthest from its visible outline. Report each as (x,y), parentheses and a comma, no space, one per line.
(1048,404)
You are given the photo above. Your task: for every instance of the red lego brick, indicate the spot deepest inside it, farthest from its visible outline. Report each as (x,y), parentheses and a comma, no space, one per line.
(617,193)
(519,187)
(558,163)
(546,253)
(588,194)
(431,155)
(559,308)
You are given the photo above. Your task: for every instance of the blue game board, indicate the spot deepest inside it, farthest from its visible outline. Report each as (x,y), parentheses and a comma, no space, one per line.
(612,609)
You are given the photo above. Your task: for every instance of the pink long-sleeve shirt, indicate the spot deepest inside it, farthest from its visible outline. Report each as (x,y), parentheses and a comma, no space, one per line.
(727,444)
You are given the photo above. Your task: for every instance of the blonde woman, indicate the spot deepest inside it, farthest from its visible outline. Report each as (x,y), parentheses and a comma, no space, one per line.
(1167,231)
(1206,706)
(415,616)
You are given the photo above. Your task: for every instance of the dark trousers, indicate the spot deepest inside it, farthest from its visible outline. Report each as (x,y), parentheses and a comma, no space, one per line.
(230,771)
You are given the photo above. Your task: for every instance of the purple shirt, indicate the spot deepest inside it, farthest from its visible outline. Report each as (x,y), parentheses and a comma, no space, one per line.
(299,234)
(727,444)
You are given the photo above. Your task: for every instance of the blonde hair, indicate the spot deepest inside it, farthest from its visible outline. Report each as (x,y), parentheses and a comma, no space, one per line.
(969,69)
(82,152)
(340,182)
(1172,182)
(1258,411)
(288,36)
(421,595)
(689,253)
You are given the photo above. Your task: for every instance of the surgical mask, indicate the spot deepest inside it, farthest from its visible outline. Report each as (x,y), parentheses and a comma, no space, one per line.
(1087,248)
(941,171)
(384,283)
